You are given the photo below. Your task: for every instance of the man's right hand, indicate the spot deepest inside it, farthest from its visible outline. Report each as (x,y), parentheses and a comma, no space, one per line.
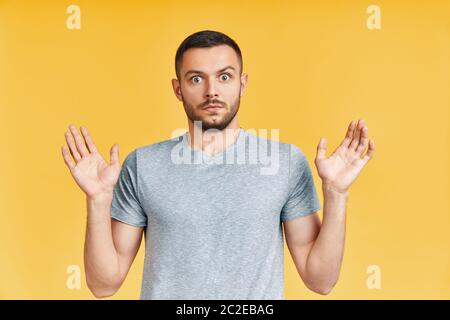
(91,172)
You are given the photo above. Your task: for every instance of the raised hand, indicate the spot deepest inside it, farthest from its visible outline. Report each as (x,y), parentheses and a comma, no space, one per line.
(344,165)
(91,172)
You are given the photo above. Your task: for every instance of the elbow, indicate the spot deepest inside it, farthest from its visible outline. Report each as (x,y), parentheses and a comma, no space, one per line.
(101,290)
(321,283)
(102,293)
(322,289)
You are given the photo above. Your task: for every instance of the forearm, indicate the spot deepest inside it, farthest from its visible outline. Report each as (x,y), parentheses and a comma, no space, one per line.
(325,258)
(100,255)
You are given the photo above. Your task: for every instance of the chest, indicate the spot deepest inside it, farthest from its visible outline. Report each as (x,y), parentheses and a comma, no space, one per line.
(215,196)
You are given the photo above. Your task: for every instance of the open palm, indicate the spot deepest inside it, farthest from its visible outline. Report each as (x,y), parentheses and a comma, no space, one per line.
(91,172)
(344,165)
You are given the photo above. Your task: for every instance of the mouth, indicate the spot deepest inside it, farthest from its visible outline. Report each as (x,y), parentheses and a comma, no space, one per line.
(212,107)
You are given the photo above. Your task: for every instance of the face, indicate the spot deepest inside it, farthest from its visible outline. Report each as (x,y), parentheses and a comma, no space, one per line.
(210,85)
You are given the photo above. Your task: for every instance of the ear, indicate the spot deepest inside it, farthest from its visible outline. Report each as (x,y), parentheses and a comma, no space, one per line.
(177,89)
(244,79)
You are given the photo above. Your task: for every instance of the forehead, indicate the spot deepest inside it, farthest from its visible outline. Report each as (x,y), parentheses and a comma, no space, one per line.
(209,60)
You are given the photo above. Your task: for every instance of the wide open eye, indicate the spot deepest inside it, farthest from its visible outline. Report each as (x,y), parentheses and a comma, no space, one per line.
(225,77)
(196,79)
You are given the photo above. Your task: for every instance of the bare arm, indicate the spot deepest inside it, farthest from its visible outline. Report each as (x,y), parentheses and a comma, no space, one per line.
(317,249)
(110,246)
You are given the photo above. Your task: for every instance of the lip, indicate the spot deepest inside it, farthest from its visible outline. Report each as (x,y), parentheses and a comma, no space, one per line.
(213,107)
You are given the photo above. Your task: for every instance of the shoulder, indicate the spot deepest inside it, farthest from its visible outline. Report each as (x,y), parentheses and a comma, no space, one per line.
(159,147)
(296,153)
(155,152)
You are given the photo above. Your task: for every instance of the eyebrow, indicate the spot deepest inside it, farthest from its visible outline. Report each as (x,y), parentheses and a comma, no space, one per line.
(201,72)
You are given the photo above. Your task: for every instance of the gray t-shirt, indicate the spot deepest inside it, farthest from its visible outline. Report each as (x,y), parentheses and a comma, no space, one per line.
(213,225)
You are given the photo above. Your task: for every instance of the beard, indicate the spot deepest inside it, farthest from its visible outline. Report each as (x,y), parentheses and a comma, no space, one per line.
(219,120)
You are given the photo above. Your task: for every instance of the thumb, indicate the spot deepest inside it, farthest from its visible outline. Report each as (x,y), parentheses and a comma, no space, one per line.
(321,149)
(114,154)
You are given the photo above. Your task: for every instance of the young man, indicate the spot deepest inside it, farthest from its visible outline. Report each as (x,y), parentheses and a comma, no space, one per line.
(213,223)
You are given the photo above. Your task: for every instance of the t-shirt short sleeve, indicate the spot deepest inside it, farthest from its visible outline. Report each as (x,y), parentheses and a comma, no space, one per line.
(302,199)
(125,205)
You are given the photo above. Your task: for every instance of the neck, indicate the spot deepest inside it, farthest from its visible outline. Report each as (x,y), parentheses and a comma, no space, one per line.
(213,141)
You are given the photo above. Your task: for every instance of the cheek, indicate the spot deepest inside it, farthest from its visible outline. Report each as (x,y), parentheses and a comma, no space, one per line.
(231,91)
(192,93)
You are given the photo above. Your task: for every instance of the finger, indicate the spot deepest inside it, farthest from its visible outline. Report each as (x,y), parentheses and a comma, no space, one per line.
(72,147)
(79,142)
(67,158)
(114,154)
(349,135)
(356,135)
(87,137)
(364,141)
(370,152)
(321,149)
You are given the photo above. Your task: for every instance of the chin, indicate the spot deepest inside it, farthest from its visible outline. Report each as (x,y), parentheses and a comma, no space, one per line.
(219,125)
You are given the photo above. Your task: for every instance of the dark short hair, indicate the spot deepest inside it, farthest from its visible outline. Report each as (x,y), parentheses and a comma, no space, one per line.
(205,39)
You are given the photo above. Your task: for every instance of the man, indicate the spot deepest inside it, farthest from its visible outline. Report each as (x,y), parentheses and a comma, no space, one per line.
(213,229)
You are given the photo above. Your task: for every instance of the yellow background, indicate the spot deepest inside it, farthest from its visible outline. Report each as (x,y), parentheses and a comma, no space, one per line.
(312,68)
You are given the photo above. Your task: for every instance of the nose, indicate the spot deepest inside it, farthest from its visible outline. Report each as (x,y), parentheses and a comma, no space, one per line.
(211,91)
